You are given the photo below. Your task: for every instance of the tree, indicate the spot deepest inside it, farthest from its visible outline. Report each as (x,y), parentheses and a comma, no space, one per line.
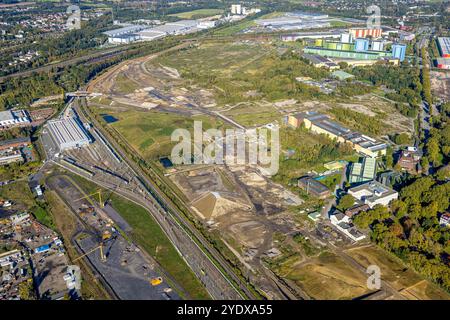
(346,202)
(432,149)
(389,158)
(402,138)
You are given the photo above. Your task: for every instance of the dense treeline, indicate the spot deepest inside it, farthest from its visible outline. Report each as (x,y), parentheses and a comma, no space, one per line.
(22,91)
(359,121)
(425,76)
(402,80)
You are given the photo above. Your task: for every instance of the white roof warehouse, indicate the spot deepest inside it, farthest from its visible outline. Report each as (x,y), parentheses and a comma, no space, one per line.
(68,133)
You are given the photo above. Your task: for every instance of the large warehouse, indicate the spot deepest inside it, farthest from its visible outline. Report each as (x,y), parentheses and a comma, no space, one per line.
(444,46)
(68,133)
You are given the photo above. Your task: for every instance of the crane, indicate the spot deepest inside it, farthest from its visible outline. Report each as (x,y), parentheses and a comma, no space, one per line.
(99,193)
(102,255)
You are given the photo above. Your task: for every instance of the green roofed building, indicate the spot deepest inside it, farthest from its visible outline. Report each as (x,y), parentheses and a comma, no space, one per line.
(342,75)
(363,171)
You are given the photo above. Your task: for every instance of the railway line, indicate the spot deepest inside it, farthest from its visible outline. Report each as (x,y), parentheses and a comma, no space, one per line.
(167,212)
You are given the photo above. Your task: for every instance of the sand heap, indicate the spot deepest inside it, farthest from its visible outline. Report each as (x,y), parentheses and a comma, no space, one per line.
(214,204)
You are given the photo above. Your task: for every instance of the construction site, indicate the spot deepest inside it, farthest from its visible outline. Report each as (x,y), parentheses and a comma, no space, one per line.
(125,270)
(262,223)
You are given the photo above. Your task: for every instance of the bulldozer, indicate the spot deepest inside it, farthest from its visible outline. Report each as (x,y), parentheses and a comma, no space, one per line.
(156,281)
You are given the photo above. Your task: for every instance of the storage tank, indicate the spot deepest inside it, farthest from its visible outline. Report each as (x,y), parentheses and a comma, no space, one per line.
(361,44)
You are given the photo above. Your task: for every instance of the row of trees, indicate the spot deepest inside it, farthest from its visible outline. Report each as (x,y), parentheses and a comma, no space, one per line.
(425,76)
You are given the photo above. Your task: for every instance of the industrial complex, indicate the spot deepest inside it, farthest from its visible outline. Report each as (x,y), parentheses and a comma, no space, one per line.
(357,49)
(68,133)
(133,33)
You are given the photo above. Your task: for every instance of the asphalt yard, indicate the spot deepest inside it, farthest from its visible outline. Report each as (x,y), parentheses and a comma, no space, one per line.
(126,270)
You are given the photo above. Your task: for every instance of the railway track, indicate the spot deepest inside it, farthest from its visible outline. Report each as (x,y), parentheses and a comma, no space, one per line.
(170,210)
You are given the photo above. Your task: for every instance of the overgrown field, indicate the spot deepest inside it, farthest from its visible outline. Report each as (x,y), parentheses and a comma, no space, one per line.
(245,71)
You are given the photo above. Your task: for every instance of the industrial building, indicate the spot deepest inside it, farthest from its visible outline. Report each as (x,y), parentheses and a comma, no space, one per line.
(133,33)
(399,51)
(149,34)
(125,38)
(68,133)
(373,193)
(365,32)
(124,35)
(319,61)
(363,171)
(238,9)
(14,118)
(321,124)
(444,46)
(14,143)
(308,15)
(311,35)
(344,54)
(360,49)
(313,187)
(344,224)
(11,157)
(443,63)
(295,21)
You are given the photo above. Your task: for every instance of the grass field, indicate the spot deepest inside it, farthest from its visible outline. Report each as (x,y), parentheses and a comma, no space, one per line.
(397,274)
(18,192)
(149,132)
(125,85)
(337,24)
(326,277)
(147,233)
(253,115)
(197,14)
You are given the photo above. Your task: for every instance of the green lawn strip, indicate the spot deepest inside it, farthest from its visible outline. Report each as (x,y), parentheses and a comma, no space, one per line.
(147,233)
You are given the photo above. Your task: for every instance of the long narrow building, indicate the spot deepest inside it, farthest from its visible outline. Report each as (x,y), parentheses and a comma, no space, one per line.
(322,124)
